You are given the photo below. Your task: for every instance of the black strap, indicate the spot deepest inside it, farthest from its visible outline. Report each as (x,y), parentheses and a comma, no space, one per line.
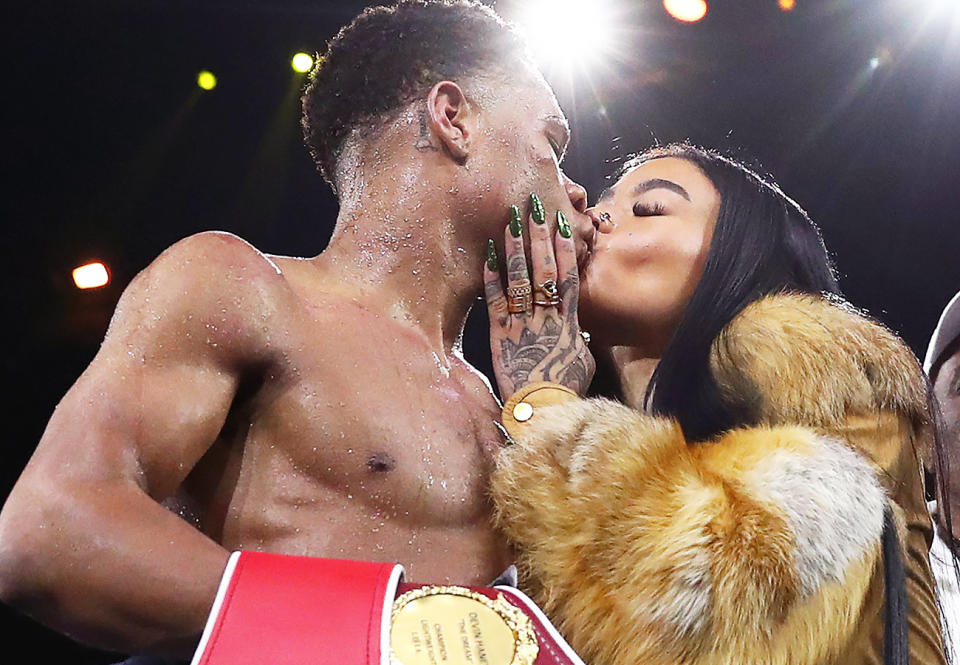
(896,650)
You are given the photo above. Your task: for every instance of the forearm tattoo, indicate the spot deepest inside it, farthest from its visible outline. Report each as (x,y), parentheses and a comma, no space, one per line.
(524,356)
(553,353)
(576,376)
(573,373)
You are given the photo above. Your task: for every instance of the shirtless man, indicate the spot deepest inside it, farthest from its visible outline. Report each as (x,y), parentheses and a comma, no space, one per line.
(313,406)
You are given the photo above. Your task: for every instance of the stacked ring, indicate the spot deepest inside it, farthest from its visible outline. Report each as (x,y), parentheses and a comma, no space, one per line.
(519,297)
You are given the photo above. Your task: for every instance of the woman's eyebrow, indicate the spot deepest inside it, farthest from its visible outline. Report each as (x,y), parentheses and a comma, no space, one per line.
(660,183)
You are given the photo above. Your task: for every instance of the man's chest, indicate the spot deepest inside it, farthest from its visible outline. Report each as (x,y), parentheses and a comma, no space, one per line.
(369,415)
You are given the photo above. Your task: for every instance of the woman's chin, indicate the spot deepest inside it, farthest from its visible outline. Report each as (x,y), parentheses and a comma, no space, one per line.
(607,320)
(595,304)
(594,318)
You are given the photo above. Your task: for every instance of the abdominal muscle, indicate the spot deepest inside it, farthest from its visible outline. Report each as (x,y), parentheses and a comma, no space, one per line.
(431,515)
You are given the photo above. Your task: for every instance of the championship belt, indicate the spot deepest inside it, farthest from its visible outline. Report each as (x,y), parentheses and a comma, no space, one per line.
(273,609)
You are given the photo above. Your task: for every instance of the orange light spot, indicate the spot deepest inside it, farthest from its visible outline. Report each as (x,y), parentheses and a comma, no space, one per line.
(687,11)
(787,5)
(91,276)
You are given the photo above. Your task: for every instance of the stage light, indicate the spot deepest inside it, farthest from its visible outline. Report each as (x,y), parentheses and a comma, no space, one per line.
(787,5)
(302,62)
(91,276)
(206,80)
(564,33)
(883,56)
(687,11)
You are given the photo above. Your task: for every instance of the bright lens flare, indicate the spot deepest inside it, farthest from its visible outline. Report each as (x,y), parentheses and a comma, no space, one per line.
(206,80)
(687,11)
(568,32)
(302,62)
(883,56)
(787,5)
(91,276)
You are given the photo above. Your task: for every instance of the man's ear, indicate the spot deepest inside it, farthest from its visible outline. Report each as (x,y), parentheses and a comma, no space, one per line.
(452,118)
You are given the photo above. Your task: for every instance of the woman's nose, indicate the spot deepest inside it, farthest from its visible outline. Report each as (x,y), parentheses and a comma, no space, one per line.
(601,219)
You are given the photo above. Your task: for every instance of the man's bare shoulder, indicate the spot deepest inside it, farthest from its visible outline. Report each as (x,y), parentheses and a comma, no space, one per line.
(214,267)
(211,284)
(220,255)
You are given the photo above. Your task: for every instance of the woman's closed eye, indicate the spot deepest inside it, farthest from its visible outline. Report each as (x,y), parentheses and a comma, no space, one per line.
(641,209)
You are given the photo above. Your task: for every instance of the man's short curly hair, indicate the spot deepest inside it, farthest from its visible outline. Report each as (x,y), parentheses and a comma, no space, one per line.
(388,56)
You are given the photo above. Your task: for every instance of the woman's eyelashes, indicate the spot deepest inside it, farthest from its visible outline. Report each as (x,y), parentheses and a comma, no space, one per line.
(641,209)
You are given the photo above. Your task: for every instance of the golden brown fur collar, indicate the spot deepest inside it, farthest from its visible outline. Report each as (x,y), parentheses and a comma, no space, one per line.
(806,359)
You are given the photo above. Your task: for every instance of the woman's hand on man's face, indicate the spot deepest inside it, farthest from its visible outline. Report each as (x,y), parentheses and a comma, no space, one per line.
(534,331)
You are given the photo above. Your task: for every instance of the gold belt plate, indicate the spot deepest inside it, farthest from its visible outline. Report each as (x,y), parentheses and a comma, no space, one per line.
(452,625)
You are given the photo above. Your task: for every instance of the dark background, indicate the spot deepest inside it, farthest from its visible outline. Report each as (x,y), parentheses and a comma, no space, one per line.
(110,151)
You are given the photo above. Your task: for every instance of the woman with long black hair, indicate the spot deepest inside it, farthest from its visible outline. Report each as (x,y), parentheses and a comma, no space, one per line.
(756,496)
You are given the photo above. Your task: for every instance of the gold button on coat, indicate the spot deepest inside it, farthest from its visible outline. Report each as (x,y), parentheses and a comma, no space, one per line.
(522,412)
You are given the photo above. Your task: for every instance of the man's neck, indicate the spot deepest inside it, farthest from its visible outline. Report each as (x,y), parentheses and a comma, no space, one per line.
(406,250)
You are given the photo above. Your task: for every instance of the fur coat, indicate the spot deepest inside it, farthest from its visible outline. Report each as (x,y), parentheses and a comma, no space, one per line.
(760,546)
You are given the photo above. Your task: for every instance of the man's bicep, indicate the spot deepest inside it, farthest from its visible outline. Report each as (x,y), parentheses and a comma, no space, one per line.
(158,392)
(148,423)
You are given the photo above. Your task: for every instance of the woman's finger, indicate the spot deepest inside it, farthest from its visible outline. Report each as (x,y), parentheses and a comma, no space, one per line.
(566,253)
(541,253)
(493,287)
(519,300)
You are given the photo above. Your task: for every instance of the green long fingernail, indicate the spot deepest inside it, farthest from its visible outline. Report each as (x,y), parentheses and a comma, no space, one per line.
(536,208)
(492,261)
(563,225)
(516,228)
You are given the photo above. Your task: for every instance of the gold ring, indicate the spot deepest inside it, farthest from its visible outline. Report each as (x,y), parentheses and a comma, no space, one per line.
(546,294)
(519,297)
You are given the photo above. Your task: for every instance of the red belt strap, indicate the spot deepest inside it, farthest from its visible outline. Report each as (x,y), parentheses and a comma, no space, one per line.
(273,609)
